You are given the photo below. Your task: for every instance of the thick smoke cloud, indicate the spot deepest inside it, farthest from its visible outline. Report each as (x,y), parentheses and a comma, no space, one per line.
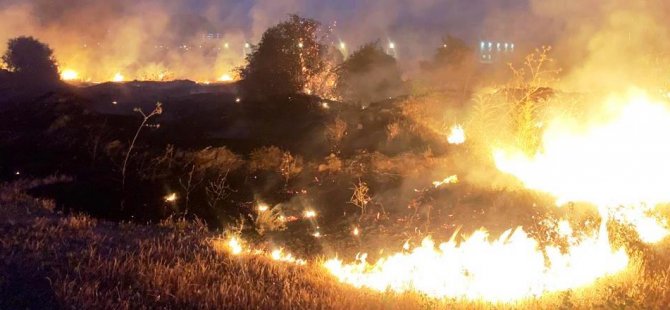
(142,38)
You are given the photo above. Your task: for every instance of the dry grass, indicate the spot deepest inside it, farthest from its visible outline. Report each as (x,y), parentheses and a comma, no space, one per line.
(50,260)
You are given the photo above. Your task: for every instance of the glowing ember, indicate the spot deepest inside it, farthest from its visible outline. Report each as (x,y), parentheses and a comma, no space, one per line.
(448,180)
(308,214)
(509,268)
(118,77)
(456,135)
(619,164)
(69,75)
(171,198)
(262,207)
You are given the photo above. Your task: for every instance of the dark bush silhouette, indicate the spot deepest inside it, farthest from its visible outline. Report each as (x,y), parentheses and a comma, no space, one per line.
(287,57)
(31,61)
(369,75)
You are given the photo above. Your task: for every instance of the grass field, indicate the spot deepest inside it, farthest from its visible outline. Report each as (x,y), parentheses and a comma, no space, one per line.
(50,260)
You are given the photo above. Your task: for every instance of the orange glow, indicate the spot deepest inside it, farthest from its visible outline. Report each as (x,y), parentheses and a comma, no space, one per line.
(619,163)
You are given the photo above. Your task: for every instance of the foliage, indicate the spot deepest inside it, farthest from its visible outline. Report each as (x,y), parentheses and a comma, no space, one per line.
(369,75)
(271,219)
(360,196)
(290,166)
(265,159)
(31,60)
(529,90)
(335,132)
(288,56)
(452,52)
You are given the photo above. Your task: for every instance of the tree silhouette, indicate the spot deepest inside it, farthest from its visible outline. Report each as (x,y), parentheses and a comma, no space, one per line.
(453,51)
(369,75)
(287,57)
(31,61)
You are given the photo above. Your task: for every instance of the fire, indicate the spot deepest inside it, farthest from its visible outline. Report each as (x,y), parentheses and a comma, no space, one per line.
(509,268)
(118,77)
(279,255)
(619,164)
(171,197)
(69,75)
(456,135)
(226,78)
(235,246)
(448,180)
(309,214)
(262,207)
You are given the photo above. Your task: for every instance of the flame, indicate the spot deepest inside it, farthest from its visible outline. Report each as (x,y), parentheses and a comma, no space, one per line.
(69,75)
(619,164)
(226,78)
(118,77)
(509,268)
(456,135)
(235,246)
(171,197)
(279,255)
(262,207)
(309,214)
(448,180)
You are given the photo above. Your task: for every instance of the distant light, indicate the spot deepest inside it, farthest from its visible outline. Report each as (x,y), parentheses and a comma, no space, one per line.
(118,77)
(356,232)
(317,234)
(392,45)
(69,75)
(171,198)
(342,45)
(300,45)
(226,45)
(114,102)
(18,172)
(247,45)
(325,105)
(238,100)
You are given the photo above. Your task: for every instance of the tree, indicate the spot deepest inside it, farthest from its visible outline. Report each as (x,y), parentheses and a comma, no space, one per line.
(31,60)
(287,57)
(452,66)
(453,52)
(369,75)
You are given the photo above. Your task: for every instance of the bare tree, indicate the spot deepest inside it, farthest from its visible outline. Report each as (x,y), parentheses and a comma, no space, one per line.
(158,110)
(360,197)
(217,190)
(290,166)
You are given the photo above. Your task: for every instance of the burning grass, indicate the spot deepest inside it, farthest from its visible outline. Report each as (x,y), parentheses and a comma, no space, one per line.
(73,261)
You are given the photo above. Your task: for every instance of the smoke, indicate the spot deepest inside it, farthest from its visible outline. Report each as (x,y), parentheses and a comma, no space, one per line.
(165,38)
